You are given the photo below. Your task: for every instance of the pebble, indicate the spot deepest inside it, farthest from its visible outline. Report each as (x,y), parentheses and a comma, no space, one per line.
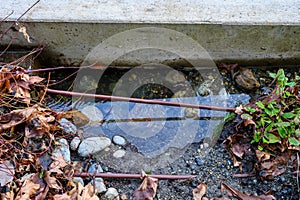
(78,180)
(99,184)
(111,194)
(199,161)
(93,113)
(95,168)
(67,126)
(93,145)
(119,140)
(75,143)
(119,153)
(62,149)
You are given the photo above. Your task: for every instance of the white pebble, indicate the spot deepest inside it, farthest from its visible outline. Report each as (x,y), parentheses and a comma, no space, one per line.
(119,140)
(75,143)
(62,149)
(111,194)
(119,153)
(93,113)
(93,145)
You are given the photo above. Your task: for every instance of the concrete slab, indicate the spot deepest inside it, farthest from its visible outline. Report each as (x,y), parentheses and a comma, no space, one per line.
(250,32)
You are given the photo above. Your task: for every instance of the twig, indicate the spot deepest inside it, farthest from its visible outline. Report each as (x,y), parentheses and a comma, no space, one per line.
(242,175)
(137,100)
(133,176)
(18,19)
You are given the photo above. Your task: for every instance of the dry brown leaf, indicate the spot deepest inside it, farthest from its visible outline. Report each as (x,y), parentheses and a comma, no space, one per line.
(147,189)
(25,34)
(58,162)
(243,196)
(61,197)
(200,191)
(262,156)
(7,172)
(51,181)
(35,79)
(77,117)
(88,193)
(27,190)
(239,110)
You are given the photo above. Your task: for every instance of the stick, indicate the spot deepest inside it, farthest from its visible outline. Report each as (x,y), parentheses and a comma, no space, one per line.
(133,176)
(137,100)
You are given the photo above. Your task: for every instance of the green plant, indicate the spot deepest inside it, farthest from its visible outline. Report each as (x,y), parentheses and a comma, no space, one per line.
(277,117)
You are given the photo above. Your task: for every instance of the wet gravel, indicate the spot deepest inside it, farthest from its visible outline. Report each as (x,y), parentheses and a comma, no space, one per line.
(216,167)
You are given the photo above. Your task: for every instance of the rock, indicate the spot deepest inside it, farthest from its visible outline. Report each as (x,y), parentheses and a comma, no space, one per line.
(99,184)
(119,140)
(67,126)
(93,113)
(191,112)
(78,180)
(92,145)
(62,149)
(119,153)
(95,168)
(75,143)
(175,76)
(111,194)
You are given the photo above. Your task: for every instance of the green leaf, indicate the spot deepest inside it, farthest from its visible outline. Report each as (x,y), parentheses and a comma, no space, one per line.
(269,127)
(283,124)
(260,104)
(249,109)
(288,115)
(282,132)
(297,132)
(256,136)
(291,84)
(229,117)
(268,111)
(272,138)
(246,116)
(260,148)
(293,141)
(272,75)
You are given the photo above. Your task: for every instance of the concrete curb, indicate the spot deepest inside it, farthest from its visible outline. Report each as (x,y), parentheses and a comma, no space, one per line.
(264,32)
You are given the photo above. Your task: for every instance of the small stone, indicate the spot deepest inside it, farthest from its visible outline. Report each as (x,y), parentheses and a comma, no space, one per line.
(95,168)
(119,153)
(93,113)
(78,180)
(119,140)
(75,143)
(92,145)
(62,149)
(67,126)
(99,184)
(111,194)
(205,145)
(123,197)
(199,161)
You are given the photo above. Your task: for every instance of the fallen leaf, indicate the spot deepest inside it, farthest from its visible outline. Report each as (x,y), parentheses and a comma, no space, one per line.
(27,190)
(240,195)
(200,191)
(51,181)
(147,189)
(7,172)
(57,164)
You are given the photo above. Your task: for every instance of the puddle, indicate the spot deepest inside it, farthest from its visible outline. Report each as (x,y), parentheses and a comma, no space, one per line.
(156,135)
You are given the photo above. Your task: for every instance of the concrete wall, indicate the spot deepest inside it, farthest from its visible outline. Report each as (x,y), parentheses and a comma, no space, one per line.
(250,32)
